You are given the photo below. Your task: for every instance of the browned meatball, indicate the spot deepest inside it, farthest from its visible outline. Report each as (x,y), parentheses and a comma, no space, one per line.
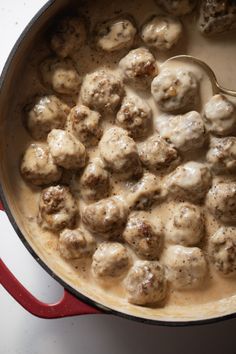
(156,154)
(38,167)
(115,34)
(222,250)
(177,7)
(221,201)
(102,91)
(84,124)
(186,267)
(61,76)
(217,16)
(222,155)
(106,217)
(47,113)
(119,153)
(146,283)
(95,181)
(147,191)
(143,236)
(76,244)
(66,150)
(139,67)
(68,37)
(111,259)
(57,208)
(135,116)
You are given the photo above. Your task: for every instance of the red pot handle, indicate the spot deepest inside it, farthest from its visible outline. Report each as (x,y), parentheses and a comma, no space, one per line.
(67,306)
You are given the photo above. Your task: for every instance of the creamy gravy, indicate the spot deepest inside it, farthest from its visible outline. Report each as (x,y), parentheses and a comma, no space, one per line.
(219,53)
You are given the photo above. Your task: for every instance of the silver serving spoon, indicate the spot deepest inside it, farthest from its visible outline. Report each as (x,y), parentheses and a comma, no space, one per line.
(215,85)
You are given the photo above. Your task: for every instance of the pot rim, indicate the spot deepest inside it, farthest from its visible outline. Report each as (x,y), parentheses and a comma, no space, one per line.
(23,239)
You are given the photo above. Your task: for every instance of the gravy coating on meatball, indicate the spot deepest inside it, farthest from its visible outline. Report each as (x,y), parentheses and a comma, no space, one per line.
(102,91)
(139,67)
(221,156)
(38,167)
(76,244)
(85,125)
(143,236)
(57,208)
(119,153)
(95,181)
(162,32)
(185,225)
(221,201)
(111,259)
(146,283)
(106,217)
(66,150)
(61,76)
(115,34)
(222,250)
(175,90)
(186,267)
(135,115)
(47,113)
(186,132)
(68,36)
(157,154)
(190,181)
(219,115)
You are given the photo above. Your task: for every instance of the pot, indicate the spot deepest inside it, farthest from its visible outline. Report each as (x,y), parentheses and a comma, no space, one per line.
(77,299)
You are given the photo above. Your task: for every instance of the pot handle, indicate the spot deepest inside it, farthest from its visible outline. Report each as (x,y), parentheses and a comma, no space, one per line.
(67,306)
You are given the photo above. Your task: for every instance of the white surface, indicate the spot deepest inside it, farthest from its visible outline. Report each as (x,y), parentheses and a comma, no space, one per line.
(21,333)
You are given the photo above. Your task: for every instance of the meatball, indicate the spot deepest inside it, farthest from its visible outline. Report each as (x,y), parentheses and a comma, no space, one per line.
(119,153)
(61,76)
(111,259)
(146,192)
(135,115)
(139,67)
(222,155)
(177,7)
(190,181)
(84,124)
(95,181)
(143,236)
(76,244)
(38,167)
(68,37)
(156,154)
(146,283)
(219,115)
(115,34)
(186,225)
(57,208)
(217,16)
(222,250)
(221,201)
(186,267)
(162,32)
(47,113)
(106,217)
(102,91)
(186,132)
(66,150)
(175,90)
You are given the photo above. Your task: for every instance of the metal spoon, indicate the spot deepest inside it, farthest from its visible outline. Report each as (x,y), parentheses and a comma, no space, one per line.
(215,85)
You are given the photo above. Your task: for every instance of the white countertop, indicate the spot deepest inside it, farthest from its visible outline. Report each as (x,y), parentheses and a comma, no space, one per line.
(21,333)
